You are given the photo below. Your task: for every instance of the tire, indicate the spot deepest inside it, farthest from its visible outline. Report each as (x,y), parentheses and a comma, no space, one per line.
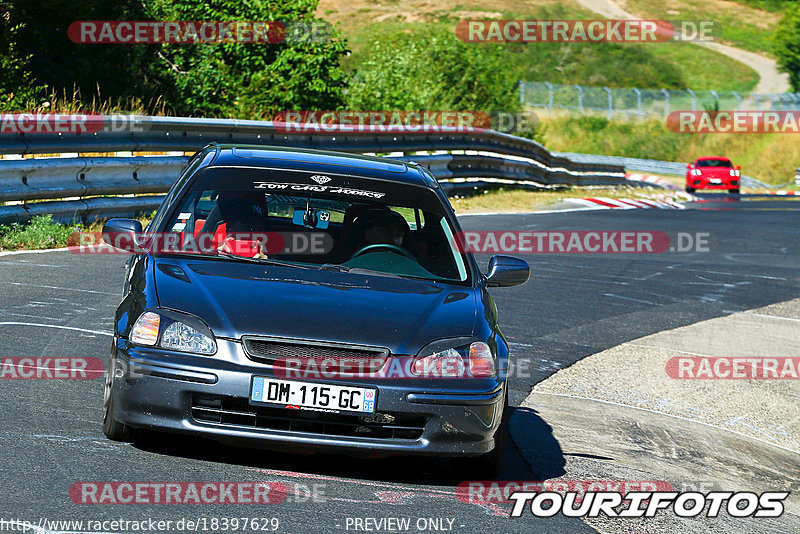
(489,465)
(113,429)
(690,189)
(733,191)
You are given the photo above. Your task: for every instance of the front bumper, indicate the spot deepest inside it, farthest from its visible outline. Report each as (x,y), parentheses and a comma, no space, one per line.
(176,392)
(702,182)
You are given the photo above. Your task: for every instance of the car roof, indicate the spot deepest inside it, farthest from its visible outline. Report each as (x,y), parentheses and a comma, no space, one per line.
(714,157)
(319,161)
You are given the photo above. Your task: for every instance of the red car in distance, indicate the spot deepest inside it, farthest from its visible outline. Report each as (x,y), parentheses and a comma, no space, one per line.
(712,173)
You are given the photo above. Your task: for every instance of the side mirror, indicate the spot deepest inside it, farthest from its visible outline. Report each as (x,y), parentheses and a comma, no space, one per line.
(123,234)
(507,271)
(689,166)
(738,167)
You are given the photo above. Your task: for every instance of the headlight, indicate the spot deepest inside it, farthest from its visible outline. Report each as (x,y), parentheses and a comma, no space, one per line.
(179,336)
(468,361)
(179,331)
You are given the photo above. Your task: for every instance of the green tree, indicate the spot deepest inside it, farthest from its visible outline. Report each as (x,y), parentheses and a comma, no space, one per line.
(42,41)
(249,79)
(17,83)
(787,45)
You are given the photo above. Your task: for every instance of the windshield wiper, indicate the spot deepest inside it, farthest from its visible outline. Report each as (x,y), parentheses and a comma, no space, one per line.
(265,261)
(361,270)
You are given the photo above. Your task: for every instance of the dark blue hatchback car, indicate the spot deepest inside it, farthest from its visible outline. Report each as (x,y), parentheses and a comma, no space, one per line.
(297,299)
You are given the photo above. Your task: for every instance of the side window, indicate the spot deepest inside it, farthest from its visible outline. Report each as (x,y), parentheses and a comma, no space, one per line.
(193,164)
(413,217)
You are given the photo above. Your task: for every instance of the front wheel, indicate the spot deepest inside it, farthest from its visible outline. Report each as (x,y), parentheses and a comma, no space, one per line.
(690,189)
(733,191)
(113,429)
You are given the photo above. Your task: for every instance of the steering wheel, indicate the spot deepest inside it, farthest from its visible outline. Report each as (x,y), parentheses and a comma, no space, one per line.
(391,248)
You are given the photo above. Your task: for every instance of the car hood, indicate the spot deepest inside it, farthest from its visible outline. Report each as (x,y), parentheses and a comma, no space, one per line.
(239,298)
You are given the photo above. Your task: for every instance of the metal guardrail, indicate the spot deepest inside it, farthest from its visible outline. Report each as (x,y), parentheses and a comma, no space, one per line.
(491,156)
(640,102)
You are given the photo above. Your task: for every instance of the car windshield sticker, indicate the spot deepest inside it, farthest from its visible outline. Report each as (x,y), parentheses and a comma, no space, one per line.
(336,190)
(184,216)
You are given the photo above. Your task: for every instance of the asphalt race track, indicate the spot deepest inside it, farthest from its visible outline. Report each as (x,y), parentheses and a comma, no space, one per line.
(58,304)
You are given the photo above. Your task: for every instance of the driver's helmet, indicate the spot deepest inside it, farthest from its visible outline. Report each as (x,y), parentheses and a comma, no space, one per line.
(242,211)
(382,226)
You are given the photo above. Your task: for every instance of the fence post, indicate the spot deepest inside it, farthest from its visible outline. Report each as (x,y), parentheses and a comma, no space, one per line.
(580,97)
(757,98)
(638,101)
(694,99)
(716,99)
(549,95)
(738,100)
(610,102)
(522,92)
(666,102)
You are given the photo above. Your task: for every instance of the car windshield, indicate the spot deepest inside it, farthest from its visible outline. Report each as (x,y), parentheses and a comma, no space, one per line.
(714,163)
(345,224)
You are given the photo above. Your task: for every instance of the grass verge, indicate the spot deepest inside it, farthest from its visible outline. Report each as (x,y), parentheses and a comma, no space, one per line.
(43,233)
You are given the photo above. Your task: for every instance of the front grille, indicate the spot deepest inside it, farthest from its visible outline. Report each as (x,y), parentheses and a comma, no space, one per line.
(236,411)
(275,351)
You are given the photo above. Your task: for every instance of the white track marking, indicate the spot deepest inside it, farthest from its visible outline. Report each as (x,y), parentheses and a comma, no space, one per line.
(60,288)
(15,323)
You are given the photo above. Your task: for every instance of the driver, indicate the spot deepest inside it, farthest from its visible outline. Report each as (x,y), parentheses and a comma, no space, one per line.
(384,227)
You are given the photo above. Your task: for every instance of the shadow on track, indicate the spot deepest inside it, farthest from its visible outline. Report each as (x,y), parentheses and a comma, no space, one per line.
(542,460)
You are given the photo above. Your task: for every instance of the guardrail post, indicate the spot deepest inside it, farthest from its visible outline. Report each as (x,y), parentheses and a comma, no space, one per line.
(757,98)
(610,102)
(694,99)
(666,102)
(738,100)
(638,101)
(716,98)
(580,98)
(549,95)
(522,92)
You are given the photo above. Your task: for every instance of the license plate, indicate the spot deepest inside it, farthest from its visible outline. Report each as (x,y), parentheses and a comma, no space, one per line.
(312,396)
(715,181)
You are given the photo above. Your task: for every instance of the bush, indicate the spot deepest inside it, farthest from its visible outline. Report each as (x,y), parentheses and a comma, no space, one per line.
(432,71)
(40,233)
(247,79)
